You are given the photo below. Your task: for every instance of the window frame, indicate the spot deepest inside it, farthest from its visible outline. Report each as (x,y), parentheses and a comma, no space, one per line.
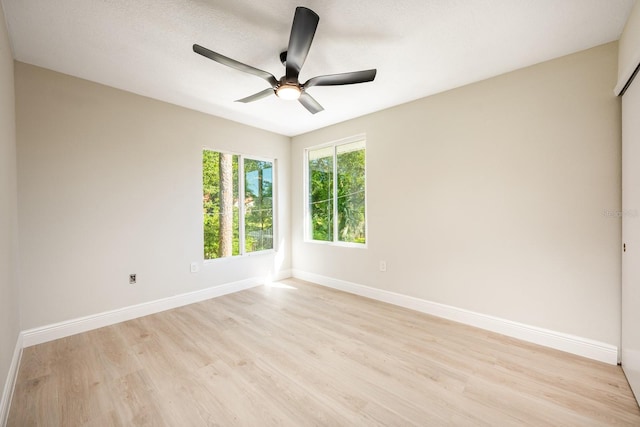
(308,234)
(241,204)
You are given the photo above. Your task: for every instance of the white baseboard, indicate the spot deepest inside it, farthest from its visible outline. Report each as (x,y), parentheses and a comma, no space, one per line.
(10,383)
(75,326)
(283,274)
(560,341)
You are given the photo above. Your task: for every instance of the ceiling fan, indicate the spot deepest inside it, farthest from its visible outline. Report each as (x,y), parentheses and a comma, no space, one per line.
(305,22)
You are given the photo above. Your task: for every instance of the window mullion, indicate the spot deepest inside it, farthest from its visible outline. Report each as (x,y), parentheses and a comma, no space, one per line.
(241,249)
(308,232)
(335,193)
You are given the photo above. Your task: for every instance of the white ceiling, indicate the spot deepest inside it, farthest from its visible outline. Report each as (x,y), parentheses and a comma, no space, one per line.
(420,47)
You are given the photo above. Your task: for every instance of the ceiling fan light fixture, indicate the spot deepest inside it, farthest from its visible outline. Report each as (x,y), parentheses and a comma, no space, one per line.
(288,92)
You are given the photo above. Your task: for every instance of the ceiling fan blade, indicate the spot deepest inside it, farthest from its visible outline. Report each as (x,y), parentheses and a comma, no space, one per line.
(342,79)
(305,22)
(235,64)
(256,96)
(309,103)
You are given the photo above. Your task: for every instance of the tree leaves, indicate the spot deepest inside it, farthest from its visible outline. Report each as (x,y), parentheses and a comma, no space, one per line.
(258,205)
(350,197)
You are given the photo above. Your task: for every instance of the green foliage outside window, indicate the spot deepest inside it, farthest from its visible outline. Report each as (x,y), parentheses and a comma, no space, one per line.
(321,197)
(221,184)
(351,196)
(347,162)
(258,201)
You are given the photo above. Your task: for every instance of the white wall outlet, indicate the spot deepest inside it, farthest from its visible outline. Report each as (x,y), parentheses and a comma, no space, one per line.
(194,267)
(132,279)
(383,265)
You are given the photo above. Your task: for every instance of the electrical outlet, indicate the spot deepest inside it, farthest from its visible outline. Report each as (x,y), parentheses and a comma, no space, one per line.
(194,267)
(383,265)
(132,279)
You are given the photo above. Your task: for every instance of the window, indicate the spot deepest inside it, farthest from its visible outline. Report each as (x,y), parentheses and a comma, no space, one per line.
(336,189)
(230,227)
(258,205)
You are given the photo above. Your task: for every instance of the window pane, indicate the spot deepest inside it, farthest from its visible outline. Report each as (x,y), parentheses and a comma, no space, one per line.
(258,205)
(351,192)
(220,204)
(321,193)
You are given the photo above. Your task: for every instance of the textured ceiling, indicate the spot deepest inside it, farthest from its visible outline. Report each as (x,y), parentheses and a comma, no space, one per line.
(420,47)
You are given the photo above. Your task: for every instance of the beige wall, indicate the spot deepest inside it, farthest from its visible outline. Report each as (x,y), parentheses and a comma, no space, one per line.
(491,198)
(9,319)
(110,184)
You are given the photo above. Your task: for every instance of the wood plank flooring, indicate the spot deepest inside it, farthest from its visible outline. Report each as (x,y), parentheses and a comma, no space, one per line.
(296,354)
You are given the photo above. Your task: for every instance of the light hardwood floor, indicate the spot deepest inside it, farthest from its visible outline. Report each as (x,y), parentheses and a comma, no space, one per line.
(300,355)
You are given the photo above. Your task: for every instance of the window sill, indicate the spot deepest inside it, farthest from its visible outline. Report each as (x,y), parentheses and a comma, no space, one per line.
(248,255)
(338,244)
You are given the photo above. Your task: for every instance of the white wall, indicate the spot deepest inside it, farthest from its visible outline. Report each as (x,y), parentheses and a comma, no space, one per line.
(110,184)
(9,317)
(629,48)
(491,198)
